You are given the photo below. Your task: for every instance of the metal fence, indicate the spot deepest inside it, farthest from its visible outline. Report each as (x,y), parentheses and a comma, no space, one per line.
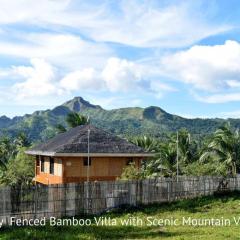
(96,197)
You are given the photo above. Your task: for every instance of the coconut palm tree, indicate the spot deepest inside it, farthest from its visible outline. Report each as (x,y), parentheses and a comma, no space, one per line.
(164,162)
(73,119)
(224,146)
(187,147)
(147,143)
(60,128)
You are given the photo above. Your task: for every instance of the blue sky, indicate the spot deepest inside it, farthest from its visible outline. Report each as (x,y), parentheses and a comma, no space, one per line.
(183,56)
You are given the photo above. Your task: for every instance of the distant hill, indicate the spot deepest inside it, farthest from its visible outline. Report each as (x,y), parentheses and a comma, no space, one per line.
(152,121)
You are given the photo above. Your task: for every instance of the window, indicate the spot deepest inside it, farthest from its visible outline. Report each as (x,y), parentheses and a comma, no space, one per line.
(129,161)
(42,163)
(85,161)
(51,170)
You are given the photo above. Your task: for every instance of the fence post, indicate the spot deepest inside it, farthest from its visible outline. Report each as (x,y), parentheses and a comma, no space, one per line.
(50,200)
(95,197)
(35,201)
(6,205)
(168,190)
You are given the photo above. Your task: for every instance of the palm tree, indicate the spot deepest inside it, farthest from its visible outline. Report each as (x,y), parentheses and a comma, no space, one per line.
(60,128)
(164,162)
(225,147)
(73,119)
(147,143)
(187,147)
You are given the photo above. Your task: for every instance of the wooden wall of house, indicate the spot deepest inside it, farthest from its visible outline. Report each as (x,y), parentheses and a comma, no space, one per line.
(72,169)
(47,178)
(102,168)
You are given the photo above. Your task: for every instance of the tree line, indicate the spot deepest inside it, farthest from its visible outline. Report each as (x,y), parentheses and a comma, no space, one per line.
(217,154)
(17,168)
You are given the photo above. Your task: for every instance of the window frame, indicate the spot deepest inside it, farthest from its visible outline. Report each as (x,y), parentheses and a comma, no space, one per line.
(38,161)
(42,164)
(85,161)
(51,165)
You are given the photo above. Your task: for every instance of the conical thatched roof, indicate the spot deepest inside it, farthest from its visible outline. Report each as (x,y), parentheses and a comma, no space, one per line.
(75,142)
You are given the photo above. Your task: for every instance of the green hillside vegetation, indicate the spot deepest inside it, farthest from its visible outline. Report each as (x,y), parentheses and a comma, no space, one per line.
(151,121)
(217,154)
(216,151)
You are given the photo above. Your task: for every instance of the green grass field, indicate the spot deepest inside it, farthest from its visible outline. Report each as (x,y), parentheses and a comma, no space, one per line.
(225,207)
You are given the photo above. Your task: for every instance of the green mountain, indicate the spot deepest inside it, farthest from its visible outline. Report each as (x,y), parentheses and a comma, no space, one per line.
(152,121)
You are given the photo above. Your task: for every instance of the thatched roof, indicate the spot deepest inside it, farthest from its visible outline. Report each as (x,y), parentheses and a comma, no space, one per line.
(75,143)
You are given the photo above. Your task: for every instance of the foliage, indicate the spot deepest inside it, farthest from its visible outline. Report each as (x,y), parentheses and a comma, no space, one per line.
(212,168)
(152,121)
(214,154)
(21,141)
(19,170)
(73,119)
(60,128)
(219,154)
(225,147)
(131,173)
(187,147)
(7,150)
(148,143)
(16,167)
(165,161)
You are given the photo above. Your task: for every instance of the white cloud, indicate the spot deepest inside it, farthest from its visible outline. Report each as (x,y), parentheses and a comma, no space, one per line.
(213,69)
(38,80)
(85,60)
(81,79)
(121,75)
(26,11)
(233,83)
(142,24)
(159,88)
(63,50)
(4,72)
(117,75)
(219,98)
(151,25)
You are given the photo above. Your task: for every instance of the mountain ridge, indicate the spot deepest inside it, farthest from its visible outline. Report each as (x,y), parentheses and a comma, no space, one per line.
(152,120)
(83,101)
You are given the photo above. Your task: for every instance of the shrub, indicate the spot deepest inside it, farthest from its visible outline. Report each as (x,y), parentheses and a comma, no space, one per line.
(131,172)
(19,171)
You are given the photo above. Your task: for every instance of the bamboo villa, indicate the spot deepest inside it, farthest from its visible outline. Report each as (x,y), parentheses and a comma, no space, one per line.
(84,153)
